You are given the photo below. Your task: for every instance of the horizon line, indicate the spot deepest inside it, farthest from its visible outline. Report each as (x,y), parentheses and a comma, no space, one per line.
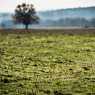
(55,9)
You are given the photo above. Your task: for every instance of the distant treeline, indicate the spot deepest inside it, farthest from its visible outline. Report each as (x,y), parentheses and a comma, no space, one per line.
(79,22)
(82,22)
(80,17)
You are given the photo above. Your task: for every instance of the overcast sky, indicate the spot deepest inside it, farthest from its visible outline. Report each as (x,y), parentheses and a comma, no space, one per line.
(9,5)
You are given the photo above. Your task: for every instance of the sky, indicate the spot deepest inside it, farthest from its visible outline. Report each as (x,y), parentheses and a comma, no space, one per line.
(42,5)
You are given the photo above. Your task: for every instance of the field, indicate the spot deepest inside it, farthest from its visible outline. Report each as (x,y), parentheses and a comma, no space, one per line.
(47,63)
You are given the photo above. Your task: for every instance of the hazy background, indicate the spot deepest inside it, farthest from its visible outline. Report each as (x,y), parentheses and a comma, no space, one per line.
(42,5)
(52,13)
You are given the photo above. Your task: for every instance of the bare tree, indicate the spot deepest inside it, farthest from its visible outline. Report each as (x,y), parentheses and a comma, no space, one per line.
(25,14)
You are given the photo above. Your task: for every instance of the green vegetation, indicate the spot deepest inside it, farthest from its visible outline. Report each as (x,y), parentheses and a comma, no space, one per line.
(25,14)
(47,64)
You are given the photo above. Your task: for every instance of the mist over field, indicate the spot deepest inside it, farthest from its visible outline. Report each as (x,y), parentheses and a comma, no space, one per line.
(48,53)
(72,17)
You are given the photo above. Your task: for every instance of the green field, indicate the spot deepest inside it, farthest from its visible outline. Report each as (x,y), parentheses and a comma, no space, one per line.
(47,64)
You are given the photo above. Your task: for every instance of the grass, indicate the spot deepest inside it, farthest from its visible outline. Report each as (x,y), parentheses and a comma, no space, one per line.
(47,64)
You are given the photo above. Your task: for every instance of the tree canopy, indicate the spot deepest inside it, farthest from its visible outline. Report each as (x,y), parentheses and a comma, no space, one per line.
(26,14)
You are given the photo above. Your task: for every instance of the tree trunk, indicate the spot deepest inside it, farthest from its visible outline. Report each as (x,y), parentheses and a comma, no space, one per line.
(26,26)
